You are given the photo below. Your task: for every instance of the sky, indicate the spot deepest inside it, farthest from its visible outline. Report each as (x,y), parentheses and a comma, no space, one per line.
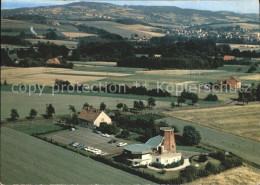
(238,6)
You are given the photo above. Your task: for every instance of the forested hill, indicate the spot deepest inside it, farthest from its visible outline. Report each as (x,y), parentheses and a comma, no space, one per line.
(143,14)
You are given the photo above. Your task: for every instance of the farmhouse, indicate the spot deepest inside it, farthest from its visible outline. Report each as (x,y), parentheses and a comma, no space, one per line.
(161,149)
(234,82)
(228,57)
(94,116)
(53,61)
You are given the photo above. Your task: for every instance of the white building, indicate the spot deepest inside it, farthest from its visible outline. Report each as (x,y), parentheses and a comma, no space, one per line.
(161,149)
(94,116)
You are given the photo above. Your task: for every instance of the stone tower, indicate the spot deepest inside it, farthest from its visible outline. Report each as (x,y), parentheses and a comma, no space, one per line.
(169,145)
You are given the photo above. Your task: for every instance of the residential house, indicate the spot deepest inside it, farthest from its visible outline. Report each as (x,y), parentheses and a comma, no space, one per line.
(53,61)
(234,82)
(161,149)
(94,116)
(228,57)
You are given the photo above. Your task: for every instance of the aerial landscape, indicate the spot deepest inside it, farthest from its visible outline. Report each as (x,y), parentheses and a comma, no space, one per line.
(130,92)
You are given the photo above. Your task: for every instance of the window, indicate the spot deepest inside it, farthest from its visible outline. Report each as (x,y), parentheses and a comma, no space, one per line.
(157,159)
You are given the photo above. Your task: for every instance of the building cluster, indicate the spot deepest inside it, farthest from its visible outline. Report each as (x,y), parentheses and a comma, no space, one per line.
(159,149)
(235,33)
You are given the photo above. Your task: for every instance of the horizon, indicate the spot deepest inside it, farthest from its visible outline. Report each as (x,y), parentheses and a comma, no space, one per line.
(242,7)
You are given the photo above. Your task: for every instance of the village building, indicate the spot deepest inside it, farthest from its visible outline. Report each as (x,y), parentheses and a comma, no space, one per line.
(157,55)
(141,55)
(228,57)
(160,149)
(53,61)
(94,116)
(234,82)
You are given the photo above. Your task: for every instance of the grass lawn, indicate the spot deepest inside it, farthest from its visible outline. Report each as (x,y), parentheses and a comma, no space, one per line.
(238,120)
(30,129)
(245,148)
(194,161)
(28,160)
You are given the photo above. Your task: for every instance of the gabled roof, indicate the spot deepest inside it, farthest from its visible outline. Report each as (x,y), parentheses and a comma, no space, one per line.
(89,114)
(145,148)
(54,61)
(154,141)
(236,78)
(228,57)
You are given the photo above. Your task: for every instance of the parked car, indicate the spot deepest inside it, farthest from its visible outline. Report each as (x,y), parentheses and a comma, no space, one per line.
(96,131)
(121,144)
(112,141)
(72,143)
(80,146)
(75,144)
(105,135)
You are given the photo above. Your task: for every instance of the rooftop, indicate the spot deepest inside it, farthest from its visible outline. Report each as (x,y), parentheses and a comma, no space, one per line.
(155,141)
(89,114)
(138,148)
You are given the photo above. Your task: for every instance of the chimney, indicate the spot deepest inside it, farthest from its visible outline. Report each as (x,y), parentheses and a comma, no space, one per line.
(169,145)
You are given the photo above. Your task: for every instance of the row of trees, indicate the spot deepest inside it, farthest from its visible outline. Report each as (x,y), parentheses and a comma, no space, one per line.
(179,62)
(14,115)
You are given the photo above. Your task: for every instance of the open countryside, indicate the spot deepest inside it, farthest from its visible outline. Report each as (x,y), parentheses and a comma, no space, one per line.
(241,121)
(56,165)
(127,93)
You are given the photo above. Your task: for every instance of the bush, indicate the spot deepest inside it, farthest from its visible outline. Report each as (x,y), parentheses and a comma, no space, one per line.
(124,134)
(202,158)
(211,97)
(210,167)
(157,165)
(175,164)
(190,136)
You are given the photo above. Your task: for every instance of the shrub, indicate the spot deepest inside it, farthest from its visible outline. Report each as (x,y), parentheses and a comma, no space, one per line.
(175,164)
(157,165)
(202,158)
(189,173)
(211,97)
(203,173)
(190,136)
(210,167)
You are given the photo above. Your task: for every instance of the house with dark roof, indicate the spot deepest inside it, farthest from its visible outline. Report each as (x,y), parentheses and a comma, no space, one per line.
(94,116)
(160,149)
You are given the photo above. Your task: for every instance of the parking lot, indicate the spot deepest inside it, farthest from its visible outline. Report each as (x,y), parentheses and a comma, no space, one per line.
(87,137)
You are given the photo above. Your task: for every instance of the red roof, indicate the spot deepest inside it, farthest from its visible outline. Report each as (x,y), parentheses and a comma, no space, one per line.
(89,114)
(228,57)
(54,61)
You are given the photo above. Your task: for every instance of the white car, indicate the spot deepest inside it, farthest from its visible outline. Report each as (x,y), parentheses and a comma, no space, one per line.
(121,144)
(105,135)
(75,144)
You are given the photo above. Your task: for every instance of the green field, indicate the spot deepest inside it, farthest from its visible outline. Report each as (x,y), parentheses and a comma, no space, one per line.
(60,102)
(28,160)
(245,148)
(30,129)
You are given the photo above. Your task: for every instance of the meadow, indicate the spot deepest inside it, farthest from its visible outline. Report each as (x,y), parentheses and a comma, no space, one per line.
(61,102)
(242,121)
(239,175)
(69,44)
(28,160)
(122,29)
(244,148)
